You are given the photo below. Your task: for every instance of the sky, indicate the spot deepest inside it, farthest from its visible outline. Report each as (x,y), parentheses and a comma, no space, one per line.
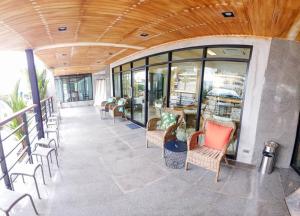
(13,67)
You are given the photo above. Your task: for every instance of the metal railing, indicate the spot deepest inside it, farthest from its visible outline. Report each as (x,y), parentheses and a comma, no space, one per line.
(17,135)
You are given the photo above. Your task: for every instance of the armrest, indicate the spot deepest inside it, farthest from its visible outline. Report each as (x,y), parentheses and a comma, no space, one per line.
(152,123)
(170,133)
(192,141)
(116,108)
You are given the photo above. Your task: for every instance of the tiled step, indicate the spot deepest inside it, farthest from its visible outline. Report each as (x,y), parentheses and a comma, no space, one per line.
(293,203)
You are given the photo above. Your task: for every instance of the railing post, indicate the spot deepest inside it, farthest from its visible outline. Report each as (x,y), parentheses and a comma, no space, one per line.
(46,115)
(49,105)
(4,166)
(51,100)
(25,128)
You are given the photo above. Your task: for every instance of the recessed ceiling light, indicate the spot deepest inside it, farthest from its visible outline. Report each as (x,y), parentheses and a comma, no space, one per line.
(64,54)
(210,52)
(228,14)
(144,34)
(62,28)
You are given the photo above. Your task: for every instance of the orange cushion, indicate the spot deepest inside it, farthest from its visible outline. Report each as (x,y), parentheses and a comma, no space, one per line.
(216,136)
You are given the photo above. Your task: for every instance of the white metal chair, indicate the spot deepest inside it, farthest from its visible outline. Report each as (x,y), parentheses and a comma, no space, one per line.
(29,170)
(8,199)
(49,130)
(45,152)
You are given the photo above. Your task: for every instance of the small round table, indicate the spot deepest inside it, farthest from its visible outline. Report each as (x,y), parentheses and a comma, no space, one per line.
(175,154)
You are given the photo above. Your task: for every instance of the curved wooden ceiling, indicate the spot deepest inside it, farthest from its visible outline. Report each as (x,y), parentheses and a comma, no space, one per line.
(34,23)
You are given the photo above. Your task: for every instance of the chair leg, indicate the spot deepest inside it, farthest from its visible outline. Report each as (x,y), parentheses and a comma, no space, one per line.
(56,158)
(43,176)
(11,183)
(226,161)
(217,175)
(6,214)
(32,203)
(146,143)
(23,179)
(36,186)
(48,166)
(186,165)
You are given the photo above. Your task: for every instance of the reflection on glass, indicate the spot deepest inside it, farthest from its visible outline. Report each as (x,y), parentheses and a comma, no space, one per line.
(126,87)
(158,59)
(139,82)
(184,89)
(157,89)
(74,88)
(223,91)
(187,54)
(117,84)
(228,52)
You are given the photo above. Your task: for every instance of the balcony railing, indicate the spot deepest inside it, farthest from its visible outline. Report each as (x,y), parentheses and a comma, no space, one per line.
(18,133)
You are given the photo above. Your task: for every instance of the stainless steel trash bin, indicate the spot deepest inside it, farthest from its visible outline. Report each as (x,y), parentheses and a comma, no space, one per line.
(269,157)
(267,164)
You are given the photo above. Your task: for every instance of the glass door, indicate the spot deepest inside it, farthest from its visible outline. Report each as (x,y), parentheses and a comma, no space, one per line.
(222,95)
(139,87)
(126,89)
(296,156)
(157,89)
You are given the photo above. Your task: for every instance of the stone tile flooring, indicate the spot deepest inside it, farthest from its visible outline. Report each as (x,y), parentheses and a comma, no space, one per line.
(105,169)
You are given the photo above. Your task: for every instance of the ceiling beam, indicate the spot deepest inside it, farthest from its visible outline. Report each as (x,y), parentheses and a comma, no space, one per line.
(83,44)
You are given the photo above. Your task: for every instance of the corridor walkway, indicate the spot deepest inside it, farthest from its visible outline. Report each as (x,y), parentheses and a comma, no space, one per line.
(105,169)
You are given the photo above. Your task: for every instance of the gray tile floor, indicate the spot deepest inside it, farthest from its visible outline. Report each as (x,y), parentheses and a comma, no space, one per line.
(105,169)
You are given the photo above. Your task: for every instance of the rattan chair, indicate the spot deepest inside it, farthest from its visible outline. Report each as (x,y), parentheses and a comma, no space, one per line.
(105,105)
(161,137)
(205,156)
(118,110)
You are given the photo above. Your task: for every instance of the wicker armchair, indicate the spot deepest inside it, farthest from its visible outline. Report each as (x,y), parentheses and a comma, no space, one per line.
(116,110)
(104,107)
(158,136)
(205,155)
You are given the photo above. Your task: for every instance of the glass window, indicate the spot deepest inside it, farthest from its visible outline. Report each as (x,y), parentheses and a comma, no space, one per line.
(157,89)
(74,88)
(139,63)
(223,92)
(117,69)
(228,52)
(158,59)
(184,89)
(139,83)
(117,85)
(187,54)
(126,86)
(126,67)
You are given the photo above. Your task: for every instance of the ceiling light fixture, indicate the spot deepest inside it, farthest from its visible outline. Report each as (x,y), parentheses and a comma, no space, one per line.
(228,14)
(210,52)
(62,28)
(144,34)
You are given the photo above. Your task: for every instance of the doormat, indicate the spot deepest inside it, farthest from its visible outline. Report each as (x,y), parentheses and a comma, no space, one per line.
(132,126)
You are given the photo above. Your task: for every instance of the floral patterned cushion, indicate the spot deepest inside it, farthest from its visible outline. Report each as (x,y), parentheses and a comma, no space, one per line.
(167,119)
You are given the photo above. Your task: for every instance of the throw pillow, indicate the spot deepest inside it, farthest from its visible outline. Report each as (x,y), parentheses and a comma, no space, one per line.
(216,136)
(167,119)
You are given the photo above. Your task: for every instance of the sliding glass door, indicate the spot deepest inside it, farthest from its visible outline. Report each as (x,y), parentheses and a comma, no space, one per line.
(223,93)
(139,88)
(185,90)
(157,89)
(126,90)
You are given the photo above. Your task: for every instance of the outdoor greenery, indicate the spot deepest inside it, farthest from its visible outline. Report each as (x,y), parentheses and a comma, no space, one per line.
(42,84)
(16,102)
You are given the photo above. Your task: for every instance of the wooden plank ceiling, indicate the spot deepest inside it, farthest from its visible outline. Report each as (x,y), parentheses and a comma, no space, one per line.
(34,23)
